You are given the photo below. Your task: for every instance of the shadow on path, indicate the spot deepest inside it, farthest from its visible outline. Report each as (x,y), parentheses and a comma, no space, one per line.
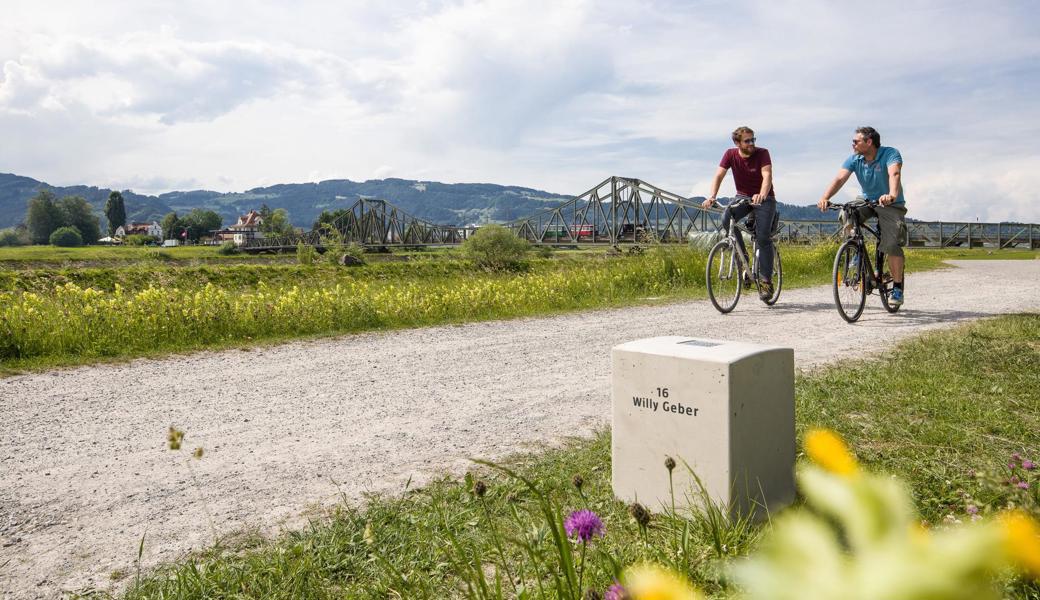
(909,317)
(786,307)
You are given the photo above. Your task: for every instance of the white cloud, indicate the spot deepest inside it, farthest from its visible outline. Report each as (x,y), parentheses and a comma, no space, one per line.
(21,89)
(555,95)
(168,79)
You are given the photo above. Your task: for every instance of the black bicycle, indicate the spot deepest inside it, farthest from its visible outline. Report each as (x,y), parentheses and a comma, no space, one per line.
(729,271)
(854,276)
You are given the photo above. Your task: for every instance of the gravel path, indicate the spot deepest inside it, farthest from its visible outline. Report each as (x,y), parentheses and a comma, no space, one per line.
(85,473)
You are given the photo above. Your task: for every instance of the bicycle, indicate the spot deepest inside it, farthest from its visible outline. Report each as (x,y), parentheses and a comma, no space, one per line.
(727,267)
(854,276)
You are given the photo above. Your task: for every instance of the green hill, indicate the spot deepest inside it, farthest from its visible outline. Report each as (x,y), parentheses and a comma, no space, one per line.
(442,203)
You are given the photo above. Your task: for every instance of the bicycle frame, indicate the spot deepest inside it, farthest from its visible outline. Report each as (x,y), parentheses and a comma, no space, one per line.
(729,264)
(874,279)
(744,262)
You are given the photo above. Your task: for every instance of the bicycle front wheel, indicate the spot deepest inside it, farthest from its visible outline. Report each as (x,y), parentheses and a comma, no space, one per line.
(723,277)
(850,293)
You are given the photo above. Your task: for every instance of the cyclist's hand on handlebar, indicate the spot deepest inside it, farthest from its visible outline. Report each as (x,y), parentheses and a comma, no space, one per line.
(757,199)
(886,199)
(823,204)
(708,202)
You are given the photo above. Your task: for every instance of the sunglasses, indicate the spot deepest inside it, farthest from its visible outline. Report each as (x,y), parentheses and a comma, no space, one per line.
(748,141)
(854,142)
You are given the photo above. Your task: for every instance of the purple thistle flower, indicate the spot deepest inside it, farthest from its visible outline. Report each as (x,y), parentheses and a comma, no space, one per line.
(615,592)
(1016,457)
(583,524)
(1023,485)
(1028,465)
(972,509)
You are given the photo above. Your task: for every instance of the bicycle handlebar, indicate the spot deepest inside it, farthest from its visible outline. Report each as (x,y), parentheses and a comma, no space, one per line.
(735,201)
(855,203)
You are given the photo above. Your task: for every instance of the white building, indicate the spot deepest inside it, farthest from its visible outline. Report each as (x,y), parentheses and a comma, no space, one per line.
(152,229)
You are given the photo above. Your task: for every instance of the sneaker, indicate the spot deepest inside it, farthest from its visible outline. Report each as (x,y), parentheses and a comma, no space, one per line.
(895,297)
(767,292)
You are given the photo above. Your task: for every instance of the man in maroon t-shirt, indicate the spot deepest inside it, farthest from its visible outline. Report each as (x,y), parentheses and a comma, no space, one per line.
(753,176)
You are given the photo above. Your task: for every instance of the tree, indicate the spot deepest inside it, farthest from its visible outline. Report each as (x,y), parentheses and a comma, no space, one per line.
(77,212)
(11,237)
(327,220)
(171,226)
(115,212)
(275,222)
(42,217)
(66,237)
(201,222)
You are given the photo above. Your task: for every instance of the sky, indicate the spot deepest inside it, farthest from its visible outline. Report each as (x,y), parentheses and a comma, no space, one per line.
(158,96)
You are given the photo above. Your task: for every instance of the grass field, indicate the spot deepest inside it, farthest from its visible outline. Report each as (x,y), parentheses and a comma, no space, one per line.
(18,257)
(81,314)
(943,412)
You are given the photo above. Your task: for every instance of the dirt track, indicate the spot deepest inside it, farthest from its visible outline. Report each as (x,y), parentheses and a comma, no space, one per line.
(85,472)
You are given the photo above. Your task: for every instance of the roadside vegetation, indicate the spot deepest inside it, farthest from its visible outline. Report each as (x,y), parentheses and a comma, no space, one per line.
(51,317)
(954,414)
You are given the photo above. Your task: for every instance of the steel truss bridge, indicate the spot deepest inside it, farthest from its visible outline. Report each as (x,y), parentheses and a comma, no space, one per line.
(619,210)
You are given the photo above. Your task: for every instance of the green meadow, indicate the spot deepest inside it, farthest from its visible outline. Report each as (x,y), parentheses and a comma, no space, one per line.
(85,310)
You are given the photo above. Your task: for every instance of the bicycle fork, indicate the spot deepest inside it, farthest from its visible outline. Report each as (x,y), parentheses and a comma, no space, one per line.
(732,266)
(864,273)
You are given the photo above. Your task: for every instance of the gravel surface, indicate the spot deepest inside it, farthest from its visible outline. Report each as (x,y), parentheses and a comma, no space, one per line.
(290,429)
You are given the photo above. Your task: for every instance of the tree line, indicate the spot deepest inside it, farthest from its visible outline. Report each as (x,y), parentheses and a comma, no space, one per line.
(70,221)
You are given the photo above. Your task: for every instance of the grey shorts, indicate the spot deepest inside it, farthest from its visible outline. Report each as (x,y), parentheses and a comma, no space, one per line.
(892,221)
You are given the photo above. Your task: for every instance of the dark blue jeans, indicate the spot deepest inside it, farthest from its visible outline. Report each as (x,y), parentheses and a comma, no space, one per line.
(763,224)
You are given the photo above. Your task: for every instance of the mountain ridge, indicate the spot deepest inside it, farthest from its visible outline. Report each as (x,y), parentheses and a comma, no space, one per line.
(441,203)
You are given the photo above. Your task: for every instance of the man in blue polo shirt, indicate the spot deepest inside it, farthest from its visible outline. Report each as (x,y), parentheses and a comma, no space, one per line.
(879,172)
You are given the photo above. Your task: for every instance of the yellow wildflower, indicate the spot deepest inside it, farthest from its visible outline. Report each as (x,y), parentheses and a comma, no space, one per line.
(1022,540)
(174,437)
(827,449)
(651,582)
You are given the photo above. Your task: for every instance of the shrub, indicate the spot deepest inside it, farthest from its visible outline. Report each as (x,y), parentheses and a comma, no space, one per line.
(228,249)
(305,254)
(138,239)
(10,237)
(495,247)
(338,252)
(157,255)
(66,237)
(353,250)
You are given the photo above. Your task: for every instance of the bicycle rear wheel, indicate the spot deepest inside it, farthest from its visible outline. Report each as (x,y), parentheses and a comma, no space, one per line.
(850,294)
(723,277)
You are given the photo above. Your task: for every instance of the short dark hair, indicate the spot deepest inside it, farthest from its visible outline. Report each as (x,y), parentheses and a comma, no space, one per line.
(871,134)
(740,131)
